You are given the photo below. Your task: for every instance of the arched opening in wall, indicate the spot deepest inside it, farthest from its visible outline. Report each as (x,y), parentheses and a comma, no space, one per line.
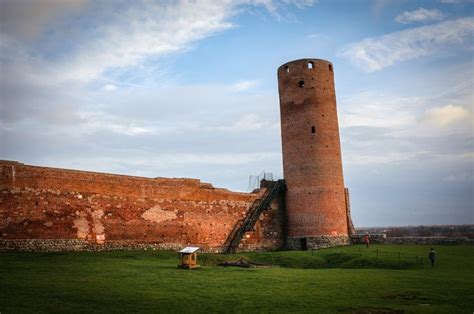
(330,67)
(304,244)
(313,129)
(301,84)
(310,65)
(287,69)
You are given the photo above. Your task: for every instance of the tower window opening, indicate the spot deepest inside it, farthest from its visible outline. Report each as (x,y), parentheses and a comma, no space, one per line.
(287,69)
(313,129)
(330,67)
(310,65)
(301,84)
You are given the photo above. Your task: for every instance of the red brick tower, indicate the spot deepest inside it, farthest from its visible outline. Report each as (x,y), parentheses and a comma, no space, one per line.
(312,164)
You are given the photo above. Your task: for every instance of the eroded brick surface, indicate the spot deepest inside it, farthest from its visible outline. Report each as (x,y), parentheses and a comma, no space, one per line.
(103,209)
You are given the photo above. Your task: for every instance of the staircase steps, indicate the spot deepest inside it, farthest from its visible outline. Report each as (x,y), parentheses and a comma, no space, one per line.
(247,223)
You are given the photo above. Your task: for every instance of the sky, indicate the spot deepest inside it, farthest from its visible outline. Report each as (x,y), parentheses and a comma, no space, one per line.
(189,89)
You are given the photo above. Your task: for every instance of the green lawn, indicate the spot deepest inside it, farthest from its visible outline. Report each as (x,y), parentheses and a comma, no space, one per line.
(350,279)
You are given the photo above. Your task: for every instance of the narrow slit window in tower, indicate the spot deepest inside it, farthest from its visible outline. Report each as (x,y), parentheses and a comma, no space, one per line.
(310,65)
(301,83)
(313,129)
(330,67)
(287,69)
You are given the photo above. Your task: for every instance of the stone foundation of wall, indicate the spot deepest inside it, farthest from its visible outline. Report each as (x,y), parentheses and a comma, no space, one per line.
(319,242)
(60,245)
(71,245)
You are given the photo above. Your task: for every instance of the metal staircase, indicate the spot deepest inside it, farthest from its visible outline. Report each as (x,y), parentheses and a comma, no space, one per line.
(247,224)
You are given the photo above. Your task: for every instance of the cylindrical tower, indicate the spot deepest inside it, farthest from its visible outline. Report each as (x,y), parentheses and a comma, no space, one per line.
(312,164)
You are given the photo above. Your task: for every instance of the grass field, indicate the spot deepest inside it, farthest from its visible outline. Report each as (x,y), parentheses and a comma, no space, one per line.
(381,279)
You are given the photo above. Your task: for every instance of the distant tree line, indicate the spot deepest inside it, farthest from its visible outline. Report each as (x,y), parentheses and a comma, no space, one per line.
(422,231)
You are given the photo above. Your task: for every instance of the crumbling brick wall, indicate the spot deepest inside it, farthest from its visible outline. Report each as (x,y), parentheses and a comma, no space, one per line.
(115,211)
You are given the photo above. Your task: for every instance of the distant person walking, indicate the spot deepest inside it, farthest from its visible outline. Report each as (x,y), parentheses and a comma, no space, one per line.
(367,240)
(432,257)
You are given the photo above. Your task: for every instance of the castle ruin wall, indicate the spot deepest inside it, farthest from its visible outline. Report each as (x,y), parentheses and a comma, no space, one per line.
(50,209)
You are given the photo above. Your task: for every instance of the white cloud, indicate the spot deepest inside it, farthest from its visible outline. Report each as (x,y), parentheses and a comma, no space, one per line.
(408,116)
(420,15)
(109,87)
(381,157)
(454,1)
(300,3)
(388,129)
(244,85)
(220,159)
(367,109)
(248,122)
(152,29)
(374,54)
(101,45)
(446,115)
(139,111)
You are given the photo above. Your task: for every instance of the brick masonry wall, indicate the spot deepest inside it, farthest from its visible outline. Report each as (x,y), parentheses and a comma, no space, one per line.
(269,231)
(61,209)
(312,164)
